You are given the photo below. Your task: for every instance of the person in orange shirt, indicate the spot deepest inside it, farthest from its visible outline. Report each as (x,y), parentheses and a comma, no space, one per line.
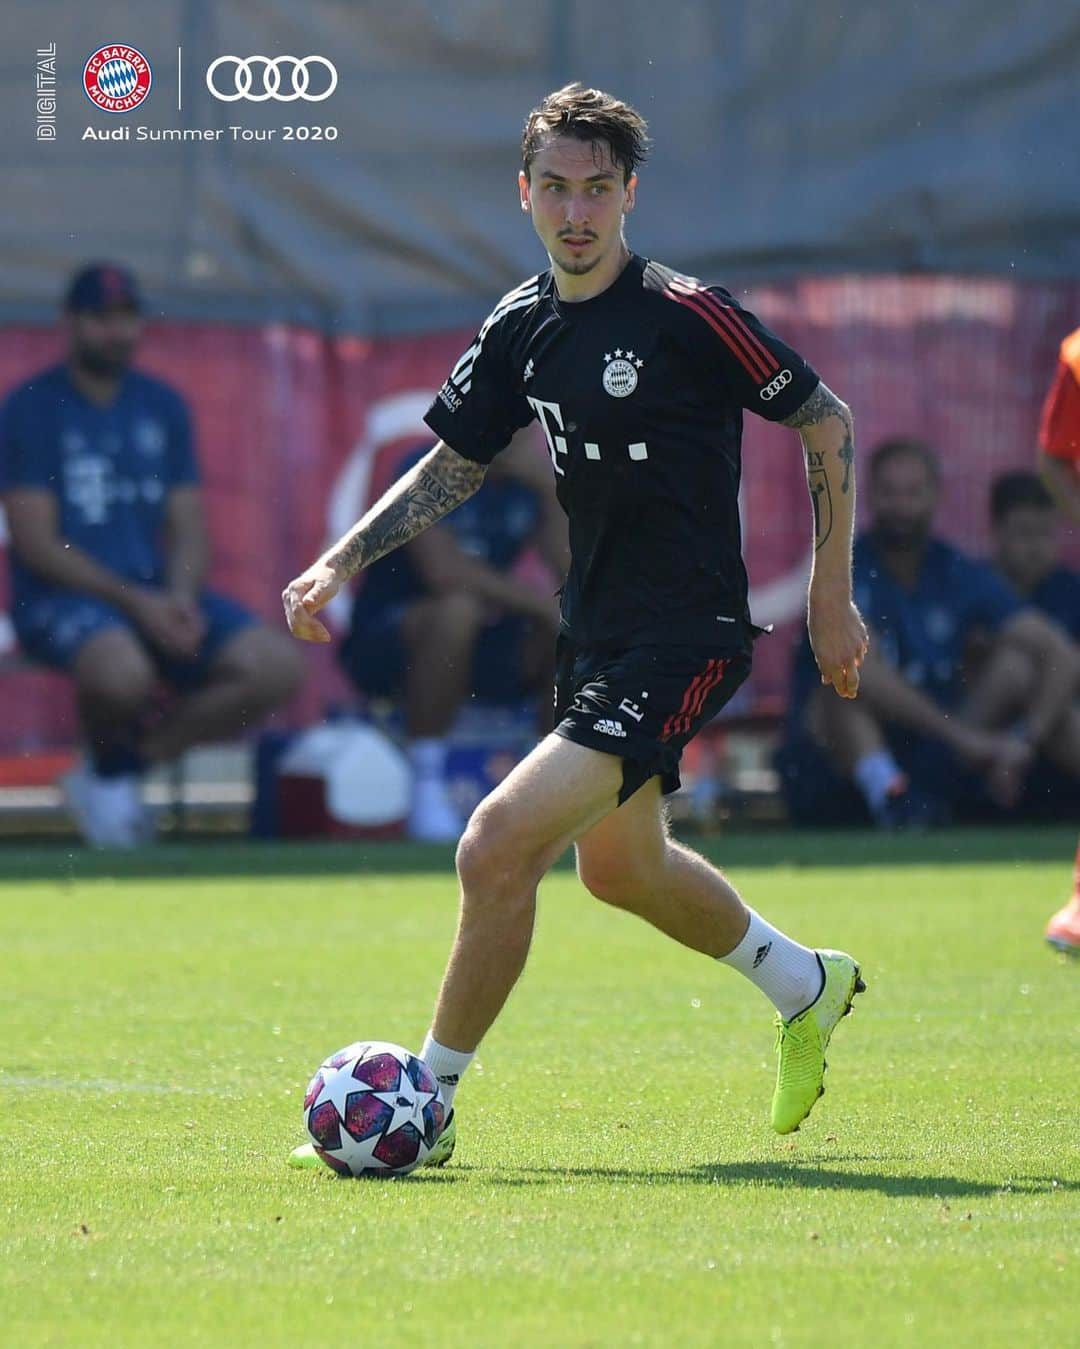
(1059,462)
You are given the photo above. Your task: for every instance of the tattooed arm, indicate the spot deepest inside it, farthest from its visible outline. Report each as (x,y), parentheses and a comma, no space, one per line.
(837,634)
(431,489)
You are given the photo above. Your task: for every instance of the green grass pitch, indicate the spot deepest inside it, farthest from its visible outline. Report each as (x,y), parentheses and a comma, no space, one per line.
(616,1182)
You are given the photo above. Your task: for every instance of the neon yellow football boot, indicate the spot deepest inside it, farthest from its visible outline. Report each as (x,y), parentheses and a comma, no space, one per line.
(801,1042)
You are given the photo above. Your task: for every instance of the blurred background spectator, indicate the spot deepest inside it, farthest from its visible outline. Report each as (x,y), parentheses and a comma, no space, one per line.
(1027,548)
(965,686)
(449,617)
(109,560)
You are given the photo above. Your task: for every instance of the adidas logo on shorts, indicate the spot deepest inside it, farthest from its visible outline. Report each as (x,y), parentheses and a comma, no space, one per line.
(607,727)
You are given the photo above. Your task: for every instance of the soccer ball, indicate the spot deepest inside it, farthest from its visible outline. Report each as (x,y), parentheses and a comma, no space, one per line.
(373,1109)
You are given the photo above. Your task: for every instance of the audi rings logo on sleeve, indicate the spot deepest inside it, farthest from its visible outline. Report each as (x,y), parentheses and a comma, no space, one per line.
(782,380)
(282,78)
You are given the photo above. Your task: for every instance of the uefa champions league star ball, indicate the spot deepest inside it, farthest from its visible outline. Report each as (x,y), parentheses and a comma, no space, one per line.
(373,1109)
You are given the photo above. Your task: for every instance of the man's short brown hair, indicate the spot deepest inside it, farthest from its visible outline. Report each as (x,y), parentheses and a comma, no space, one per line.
(587,115)
(904,447)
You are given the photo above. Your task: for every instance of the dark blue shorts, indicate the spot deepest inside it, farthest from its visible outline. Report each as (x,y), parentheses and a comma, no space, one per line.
(644,704)
(375,657)
(53,631)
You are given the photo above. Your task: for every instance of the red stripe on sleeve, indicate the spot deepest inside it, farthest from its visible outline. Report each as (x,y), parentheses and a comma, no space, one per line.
(744,358)
(734,324)
(733,316)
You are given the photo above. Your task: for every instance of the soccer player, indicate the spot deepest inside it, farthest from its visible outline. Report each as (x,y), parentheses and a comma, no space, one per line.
(639,377)
(1059,445)
(109,557)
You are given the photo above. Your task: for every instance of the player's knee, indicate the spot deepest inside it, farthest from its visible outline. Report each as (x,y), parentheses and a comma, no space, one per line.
(457,613)
(1015,673)
(268,664)
(120,688)
(495,860)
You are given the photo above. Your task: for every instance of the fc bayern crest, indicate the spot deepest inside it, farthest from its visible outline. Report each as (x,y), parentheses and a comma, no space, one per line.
(117,78)
(620,373)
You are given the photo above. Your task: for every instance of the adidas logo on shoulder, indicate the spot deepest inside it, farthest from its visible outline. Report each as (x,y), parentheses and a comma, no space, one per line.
(608,727)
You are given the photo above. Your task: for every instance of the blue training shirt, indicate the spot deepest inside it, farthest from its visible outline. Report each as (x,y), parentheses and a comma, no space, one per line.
(923,632)
(110,468)
(1058,595)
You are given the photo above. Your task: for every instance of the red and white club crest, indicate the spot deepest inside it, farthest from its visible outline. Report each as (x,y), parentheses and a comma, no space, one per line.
(117,78)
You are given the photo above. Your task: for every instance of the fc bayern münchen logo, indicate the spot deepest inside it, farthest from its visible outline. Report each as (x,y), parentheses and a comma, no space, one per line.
(620,373)
(117,78)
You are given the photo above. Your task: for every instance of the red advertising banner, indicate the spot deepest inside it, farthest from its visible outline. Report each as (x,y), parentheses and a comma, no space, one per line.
(297,432)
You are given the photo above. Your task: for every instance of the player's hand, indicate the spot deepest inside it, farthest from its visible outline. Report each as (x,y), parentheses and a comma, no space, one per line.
(1008,768)
(982,749)
(304,597)
(839,640)
(165,623)
(1003,759)
(546,611)
(190,621)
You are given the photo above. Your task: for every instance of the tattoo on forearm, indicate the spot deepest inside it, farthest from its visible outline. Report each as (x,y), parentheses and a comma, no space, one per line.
(821,497)
(847,458)
(821,405)
(442,482)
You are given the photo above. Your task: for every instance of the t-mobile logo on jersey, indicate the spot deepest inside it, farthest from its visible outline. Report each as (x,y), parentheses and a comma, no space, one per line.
(550,417)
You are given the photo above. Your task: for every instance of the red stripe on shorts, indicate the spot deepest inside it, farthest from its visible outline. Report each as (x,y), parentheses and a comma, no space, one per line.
(694,699)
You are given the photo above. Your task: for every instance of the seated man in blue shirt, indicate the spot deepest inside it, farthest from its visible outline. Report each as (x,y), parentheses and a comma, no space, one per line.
(109,558)
(445,616)
(925,741)
(1027,548)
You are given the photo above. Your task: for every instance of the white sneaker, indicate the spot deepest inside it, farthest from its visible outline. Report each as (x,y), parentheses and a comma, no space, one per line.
(433,818)
(109,812)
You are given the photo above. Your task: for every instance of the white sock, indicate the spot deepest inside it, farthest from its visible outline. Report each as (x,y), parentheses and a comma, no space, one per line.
(788,974)
(875,773)
(428,757)
(448,1065)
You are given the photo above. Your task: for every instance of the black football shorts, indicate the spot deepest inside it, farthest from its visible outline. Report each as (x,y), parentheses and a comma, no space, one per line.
(644,703)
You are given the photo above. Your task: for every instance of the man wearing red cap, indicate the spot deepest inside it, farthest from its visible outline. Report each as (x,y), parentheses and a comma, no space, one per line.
(109,558)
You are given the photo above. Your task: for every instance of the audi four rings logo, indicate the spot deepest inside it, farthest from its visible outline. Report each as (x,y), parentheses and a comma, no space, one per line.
(259,78)
(782,380)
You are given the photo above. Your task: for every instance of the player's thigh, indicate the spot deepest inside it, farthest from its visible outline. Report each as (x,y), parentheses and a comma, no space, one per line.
(555,795)
(627,848)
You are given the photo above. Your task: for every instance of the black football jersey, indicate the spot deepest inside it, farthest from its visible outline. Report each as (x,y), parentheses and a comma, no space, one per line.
(640,392)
